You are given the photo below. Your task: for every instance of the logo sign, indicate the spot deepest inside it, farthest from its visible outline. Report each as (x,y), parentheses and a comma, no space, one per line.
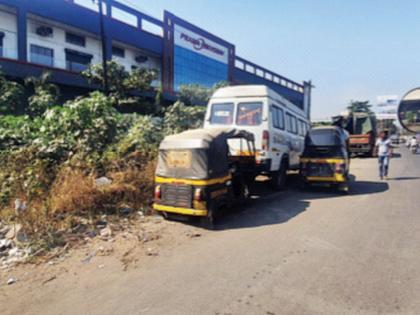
(190,40)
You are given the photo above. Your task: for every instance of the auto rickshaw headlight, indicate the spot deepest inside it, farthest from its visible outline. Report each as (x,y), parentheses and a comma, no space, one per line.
(198,194)
(158,193)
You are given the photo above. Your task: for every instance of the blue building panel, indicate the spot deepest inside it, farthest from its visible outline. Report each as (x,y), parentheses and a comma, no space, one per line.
(192,68)
(195,57)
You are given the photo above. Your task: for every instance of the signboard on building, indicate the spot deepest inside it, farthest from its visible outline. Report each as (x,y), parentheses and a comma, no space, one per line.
(194,56)
(198,44)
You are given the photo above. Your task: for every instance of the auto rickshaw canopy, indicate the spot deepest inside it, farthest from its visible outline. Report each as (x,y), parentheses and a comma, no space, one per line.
(198,154)
(326,142)
(327,136)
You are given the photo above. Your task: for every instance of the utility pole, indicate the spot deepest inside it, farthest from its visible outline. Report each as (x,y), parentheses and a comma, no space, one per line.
(104,50)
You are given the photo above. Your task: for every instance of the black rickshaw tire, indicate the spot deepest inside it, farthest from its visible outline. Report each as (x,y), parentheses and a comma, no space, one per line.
(208,222)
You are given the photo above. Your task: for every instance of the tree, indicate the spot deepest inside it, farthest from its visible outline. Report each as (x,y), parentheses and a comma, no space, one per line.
(45,95)
(125,89)
(359,106)
(179,117)
(195,94)
(11,95)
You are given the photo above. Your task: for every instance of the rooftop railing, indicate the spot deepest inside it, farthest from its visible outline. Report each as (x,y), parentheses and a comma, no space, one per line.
(127,15)
(252,68)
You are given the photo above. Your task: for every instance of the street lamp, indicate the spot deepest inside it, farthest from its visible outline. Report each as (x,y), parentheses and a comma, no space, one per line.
(103,42)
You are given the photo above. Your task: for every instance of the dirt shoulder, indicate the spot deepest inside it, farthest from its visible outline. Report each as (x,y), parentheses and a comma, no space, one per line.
(94,260)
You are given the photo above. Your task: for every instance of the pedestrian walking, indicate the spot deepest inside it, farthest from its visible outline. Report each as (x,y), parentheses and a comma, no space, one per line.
(384,147)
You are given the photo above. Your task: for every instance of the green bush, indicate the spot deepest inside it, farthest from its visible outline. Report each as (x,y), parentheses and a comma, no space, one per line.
(179,117)
(12,95)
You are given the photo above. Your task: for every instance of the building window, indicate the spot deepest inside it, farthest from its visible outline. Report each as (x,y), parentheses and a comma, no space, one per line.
(75,39)
(77,61)
(118,52)
(42,55)
(1,43)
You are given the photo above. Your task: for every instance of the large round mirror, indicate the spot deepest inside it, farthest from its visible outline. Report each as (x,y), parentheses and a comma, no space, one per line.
(409,111)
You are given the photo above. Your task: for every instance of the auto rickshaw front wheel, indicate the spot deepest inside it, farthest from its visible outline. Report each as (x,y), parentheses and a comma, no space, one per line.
(208,222)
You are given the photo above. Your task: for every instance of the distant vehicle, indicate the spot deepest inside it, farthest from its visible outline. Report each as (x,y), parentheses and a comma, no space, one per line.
(199,172)
(363,133)
(278,125)
(326,157)
(395,139)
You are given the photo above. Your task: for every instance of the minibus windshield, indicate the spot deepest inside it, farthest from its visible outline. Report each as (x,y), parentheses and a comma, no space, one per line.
(221,114)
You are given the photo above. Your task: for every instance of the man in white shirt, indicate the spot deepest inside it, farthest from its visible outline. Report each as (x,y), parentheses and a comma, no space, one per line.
(414,144)
(384,146)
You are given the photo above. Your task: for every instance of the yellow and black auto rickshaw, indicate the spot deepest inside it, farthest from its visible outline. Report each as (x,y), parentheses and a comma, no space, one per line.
(201,171)
(325,160)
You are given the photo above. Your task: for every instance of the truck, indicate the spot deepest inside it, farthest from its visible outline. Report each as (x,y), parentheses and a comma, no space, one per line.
(363,133)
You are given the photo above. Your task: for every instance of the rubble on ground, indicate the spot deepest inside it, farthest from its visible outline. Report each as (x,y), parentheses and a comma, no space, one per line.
(12,238)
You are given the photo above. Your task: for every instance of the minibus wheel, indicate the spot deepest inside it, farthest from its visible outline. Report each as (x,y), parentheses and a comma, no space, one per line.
(278,179)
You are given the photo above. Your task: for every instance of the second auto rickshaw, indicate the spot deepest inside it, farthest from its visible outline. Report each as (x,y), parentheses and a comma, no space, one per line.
(325,159)
(201,171)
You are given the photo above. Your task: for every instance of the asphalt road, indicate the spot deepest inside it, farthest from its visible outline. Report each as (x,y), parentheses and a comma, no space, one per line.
(312,252)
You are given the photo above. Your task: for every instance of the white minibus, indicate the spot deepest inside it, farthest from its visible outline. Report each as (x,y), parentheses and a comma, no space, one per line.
(278,125)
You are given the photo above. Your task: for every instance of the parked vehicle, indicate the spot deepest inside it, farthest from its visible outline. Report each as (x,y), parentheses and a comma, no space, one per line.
(395,139)
(326,158)
(201,171)
(363,133)
(278,125)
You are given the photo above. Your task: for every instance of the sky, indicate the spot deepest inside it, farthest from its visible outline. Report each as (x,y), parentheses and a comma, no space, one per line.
(351,50)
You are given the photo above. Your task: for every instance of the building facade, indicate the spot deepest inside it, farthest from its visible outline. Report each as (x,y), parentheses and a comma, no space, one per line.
(63,37)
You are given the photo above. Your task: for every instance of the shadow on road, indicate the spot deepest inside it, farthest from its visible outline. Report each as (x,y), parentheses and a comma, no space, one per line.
(268,207)
(405,178)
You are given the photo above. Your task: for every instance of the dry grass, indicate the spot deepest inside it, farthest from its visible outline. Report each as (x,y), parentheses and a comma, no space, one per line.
(75,192)
(74,195)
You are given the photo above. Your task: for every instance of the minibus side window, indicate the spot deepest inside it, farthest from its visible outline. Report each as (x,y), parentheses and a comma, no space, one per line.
(222,114)
(294,125)
(289,122)
(277,117)
(249,114)
(281,118)
(302,128)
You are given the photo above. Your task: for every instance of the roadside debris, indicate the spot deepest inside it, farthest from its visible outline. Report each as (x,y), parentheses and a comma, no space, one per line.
(194,234)
(49,280)
(106,233)
(11,281)
(152,252)
(88,258)
(20,207)
(103,181)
